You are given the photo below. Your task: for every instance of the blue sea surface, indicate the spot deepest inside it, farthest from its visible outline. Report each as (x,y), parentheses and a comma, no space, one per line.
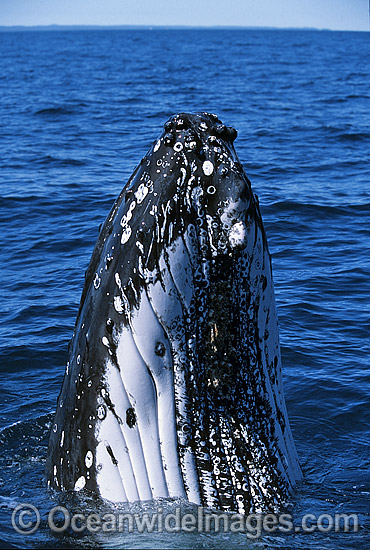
(78,111)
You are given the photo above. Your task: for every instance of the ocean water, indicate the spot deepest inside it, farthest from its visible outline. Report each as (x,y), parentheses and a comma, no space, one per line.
(78,110)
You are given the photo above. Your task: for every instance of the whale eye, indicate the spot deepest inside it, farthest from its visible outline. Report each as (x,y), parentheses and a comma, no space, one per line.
(159,349)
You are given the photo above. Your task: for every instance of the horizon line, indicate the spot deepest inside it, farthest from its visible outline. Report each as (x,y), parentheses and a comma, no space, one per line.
(56,27)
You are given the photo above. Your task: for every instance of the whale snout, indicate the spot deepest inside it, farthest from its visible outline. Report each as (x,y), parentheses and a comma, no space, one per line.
(212,176)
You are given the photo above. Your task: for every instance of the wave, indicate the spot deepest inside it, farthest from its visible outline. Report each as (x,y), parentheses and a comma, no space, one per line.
(346,133)
(354,136)
(56,161)
(315,209)
(60,110)
(32,427)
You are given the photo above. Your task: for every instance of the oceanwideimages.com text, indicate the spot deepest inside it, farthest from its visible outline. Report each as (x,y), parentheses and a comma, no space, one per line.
(26,520)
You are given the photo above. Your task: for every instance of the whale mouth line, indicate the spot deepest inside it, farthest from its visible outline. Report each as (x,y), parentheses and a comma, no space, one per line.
(173,383)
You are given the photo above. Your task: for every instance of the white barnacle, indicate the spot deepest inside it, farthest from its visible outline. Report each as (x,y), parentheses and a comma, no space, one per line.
(141,193)
(105,341)
(89,459)
(131,284)
(157,146)
(181,179)
(118,280)
(126,234)
(118,304)
(238,235)
(80,483)
(127,217)
(196,194)
(178,146)
(101,412)
(62,440)
(97,281)
(207,167)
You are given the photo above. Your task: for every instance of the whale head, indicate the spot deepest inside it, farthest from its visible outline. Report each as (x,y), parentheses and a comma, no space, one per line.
(173,384)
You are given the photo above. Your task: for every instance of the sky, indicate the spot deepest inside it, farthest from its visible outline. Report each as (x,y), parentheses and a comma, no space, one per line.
(328,14)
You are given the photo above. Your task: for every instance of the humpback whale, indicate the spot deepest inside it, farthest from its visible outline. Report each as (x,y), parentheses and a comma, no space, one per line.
(173,384)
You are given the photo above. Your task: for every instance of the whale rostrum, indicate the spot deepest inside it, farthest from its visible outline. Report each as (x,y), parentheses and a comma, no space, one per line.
(173,384)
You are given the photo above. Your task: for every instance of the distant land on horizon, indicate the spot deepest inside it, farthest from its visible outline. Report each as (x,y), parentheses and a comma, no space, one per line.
(15,28)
